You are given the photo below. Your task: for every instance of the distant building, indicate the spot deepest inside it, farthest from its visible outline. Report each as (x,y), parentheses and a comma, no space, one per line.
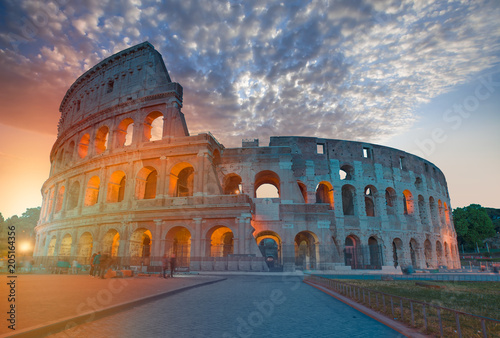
(129,180)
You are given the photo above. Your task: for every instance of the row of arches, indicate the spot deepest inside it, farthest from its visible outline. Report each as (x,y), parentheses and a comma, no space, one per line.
(181,184)
(98,142)
(139,245)
(308,251)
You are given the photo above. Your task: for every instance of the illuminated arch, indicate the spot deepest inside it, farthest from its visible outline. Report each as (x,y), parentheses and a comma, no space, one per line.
(408,205)
(145,183)
(116,187)
(101,139)
(266,177)
(324,193)
(221,242)
(181,180)
(92,193)
(153,126)
(83,146)
(65,247)
(110,243)
(125,132)
(178,243)
(232,184)
(306,250)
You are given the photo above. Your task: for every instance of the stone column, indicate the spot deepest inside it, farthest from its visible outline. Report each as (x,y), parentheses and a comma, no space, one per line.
(196,239)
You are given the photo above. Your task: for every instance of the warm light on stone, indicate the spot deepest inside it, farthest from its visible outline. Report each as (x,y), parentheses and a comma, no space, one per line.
(127,179)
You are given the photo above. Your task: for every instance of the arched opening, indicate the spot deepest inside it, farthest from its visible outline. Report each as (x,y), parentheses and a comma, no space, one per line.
(101,140)
(303,190)
(439,253)
(83,146)
(414,253)
(447,254)
(116,187)
(140,247)
(60,159)
(153,126)
(408,202)
(178,243)
(111,243)
(59,199)
(270,247)
(146,183)
(441,213)
(74,193)
(92,193)
(447,214)
(221,242)
(346,172)
(428,253)
(51,250)
(349,200)
(182,180)
(421,210)
(390,201)
(352,254)
(370,195)
(69,153)
(65,248)
(267,185)
(84,249)
(232,185)
(306,251)
(324,193)
(418,183)
(125,132)
(397,251)
(434,212)
(376,254)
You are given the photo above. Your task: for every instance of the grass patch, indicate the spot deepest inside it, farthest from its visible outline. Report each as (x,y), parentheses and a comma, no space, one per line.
(479,298)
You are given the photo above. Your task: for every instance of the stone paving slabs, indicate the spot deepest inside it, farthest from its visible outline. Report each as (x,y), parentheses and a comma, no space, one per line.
(42,299)
(240,306)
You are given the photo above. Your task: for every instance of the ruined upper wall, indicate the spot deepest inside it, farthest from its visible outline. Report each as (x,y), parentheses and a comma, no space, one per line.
(306,148)
(133,73)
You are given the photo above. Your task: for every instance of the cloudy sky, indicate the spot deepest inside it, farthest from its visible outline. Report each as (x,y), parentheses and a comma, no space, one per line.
(422,76)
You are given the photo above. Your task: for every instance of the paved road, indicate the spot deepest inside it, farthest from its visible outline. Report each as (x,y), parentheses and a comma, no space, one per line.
(241,306)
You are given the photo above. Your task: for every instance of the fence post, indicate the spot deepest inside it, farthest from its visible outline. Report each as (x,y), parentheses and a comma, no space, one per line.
(392,308)
(369,300)
(458,325)
(376,298)
(363,295)
(383,301)
(401,307)
(425,317)
(483,326)
(412,316)
(440,322)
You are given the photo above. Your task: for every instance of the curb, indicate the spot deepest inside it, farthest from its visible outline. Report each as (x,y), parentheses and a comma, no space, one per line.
(395,325)
(53,327)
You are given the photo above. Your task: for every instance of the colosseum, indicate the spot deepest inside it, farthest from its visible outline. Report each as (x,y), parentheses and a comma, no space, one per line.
(128,179)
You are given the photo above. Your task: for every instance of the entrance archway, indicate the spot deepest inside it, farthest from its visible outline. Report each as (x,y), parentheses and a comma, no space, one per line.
(178,243)
(140,247)
(306,250)
(221,242)
(375,253)
(397,251)
(428,254)
(270,246)
(352,255)
(110,243)
(84,249)
(65,248)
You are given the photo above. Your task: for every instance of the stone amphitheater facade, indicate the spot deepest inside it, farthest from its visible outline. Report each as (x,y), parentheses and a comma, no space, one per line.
(127,179)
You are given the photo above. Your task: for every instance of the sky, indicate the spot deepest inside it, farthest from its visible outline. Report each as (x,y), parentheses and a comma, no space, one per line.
(421,76)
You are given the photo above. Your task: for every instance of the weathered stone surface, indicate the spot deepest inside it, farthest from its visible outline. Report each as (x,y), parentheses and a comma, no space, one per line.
(129,181)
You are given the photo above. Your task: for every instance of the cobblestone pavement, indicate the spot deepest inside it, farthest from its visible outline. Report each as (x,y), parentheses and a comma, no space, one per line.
(241,306)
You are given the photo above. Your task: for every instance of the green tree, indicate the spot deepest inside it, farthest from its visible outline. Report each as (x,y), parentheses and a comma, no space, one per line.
(472,225)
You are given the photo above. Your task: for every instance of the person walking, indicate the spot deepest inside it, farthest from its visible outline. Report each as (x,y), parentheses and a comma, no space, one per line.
(97,264)
(105,262)
(164,265)
(172,265)
(92,266)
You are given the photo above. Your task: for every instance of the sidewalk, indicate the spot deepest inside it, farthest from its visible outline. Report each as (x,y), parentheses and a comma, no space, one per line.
(43,300)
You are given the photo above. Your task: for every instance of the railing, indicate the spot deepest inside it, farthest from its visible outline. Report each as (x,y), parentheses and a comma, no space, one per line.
(433,319)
